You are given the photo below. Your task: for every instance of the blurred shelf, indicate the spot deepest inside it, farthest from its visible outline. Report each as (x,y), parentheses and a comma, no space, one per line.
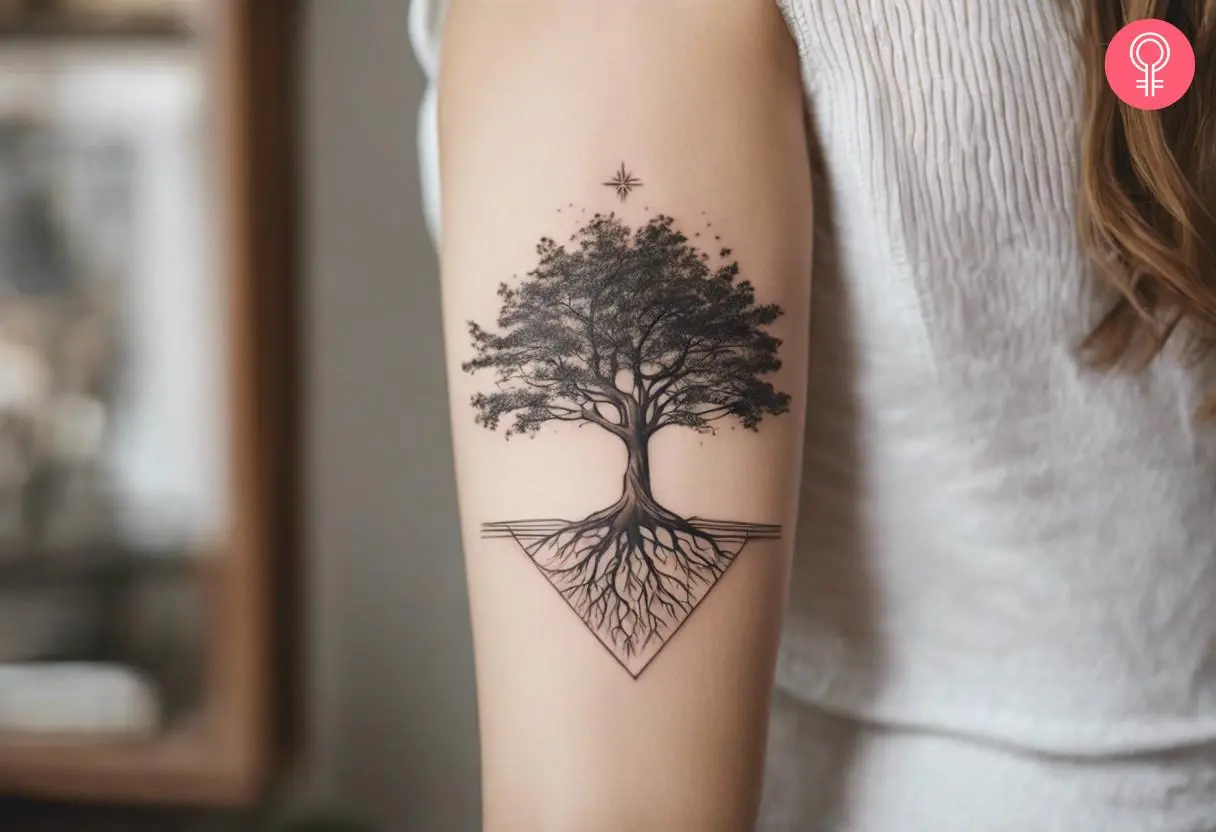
(183,766)
(59,27)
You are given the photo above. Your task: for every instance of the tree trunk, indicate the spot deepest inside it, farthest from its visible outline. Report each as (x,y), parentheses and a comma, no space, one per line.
(637,472)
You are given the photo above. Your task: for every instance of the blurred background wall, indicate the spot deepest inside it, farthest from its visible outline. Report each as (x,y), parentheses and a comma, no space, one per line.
(392,734)
(388,688)
(392,674)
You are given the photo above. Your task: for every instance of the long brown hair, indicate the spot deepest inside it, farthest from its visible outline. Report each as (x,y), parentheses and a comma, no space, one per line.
(1148,204)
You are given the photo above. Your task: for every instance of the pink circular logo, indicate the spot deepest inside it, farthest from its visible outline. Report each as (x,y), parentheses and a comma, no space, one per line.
(1150,64)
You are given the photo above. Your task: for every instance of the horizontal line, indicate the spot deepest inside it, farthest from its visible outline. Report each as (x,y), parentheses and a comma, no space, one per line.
(701,524)
(723,538)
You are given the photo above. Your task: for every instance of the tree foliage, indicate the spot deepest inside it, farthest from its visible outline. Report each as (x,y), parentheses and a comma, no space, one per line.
(633,331)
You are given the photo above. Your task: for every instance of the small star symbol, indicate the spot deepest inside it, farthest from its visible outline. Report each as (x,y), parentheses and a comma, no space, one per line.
(624,182)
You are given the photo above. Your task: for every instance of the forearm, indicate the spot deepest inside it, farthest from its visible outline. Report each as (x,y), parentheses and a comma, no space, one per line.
(651,359)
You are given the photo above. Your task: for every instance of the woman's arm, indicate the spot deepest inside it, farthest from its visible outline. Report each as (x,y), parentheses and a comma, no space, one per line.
(626,233)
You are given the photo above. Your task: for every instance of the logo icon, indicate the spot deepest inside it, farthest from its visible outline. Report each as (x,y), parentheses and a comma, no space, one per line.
(1150,83)
(1150,64)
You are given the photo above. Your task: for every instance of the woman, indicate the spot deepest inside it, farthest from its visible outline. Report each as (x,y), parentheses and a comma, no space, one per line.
(893,362)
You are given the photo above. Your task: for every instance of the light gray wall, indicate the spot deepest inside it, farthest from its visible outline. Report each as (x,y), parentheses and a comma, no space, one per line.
(393,699)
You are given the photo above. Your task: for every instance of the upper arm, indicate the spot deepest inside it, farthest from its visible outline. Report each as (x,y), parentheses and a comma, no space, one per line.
(628,410)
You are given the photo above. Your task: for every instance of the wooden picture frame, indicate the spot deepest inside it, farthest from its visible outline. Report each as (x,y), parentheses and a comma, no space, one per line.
(225,755)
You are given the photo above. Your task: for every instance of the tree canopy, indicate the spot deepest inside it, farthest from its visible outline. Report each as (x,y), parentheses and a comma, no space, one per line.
(631,330)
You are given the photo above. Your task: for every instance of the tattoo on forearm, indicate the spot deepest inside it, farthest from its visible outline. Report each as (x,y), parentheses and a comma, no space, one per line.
(633,331)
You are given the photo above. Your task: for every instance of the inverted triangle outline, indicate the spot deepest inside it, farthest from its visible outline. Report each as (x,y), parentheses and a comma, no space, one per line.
(595,635)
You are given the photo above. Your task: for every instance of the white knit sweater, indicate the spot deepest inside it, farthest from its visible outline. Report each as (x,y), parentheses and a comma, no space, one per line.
(1005,578)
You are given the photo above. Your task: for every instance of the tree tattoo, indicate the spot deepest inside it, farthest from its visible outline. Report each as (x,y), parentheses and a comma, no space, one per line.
(633,332)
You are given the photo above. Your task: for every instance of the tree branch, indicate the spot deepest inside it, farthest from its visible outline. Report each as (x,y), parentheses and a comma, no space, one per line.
(596,419)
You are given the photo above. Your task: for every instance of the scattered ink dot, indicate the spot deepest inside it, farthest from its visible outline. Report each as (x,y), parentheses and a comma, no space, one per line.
(698,234)
(724,252)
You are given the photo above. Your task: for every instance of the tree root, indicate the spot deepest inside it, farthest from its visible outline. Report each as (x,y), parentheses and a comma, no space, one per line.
(633,571)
